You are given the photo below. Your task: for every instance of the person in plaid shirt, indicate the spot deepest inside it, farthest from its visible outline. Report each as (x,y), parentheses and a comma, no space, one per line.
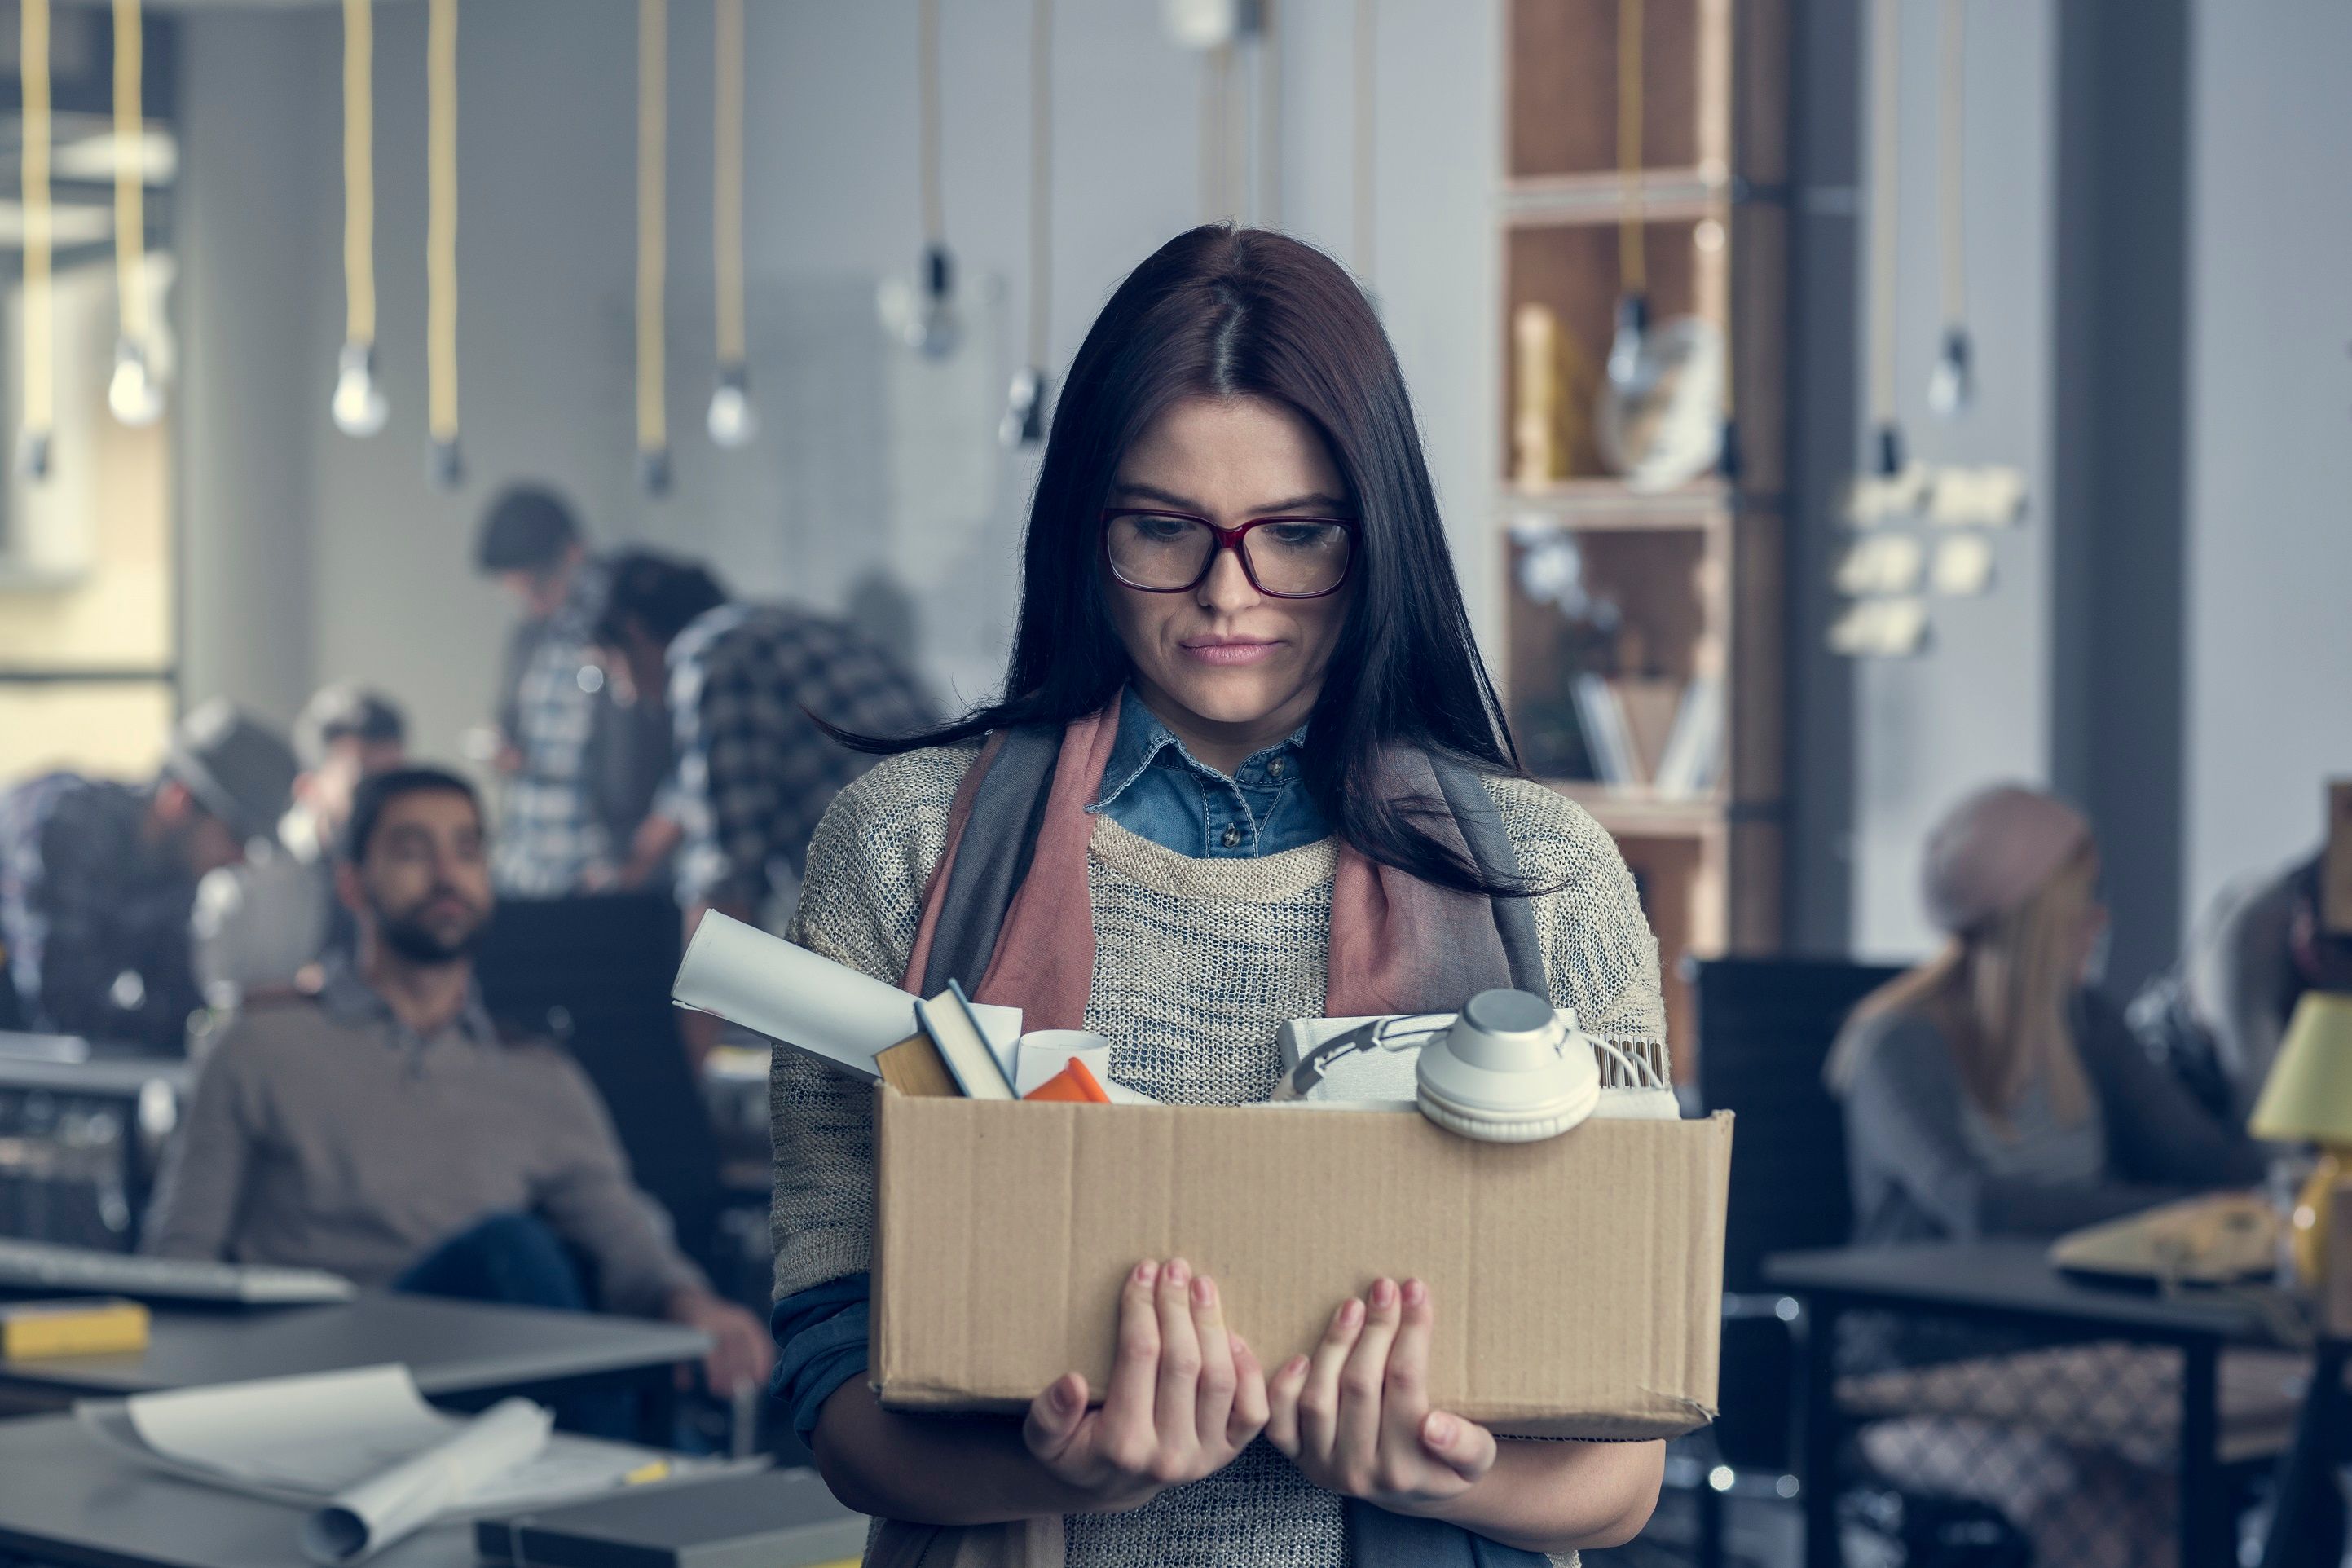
(744,685)
(579,769)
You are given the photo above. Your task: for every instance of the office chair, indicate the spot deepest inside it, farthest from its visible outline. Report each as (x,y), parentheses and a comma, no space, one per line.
(595,973)
(1765,1027)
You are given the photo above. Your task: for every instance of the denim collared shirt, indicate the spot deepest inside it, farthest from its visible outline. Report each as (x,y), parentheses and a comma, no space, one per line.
(1155,789)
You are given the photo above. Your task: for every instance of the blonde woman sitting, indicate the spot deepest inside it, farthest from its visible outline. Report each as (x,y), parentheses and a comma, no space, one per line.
(1990,1091)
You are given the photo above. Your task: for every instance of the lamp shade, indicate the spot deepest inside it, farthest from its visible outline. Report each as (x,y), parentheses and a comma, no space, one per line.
(2308,1097)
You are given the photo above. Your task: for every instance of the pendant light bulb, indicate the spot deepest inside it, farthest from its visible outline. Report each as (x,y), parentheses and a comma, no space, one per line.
(1024,411)
(1949,385)
(734,423)
(652,471)
(131,392)
(1625,348)
(358,404)
(33,456)
(935,327)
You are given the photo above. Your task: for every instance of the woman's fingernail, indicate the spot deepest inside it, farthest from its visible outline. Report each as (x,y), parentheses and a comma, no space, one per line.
(1440,1427)
(1351,1312)
(1146,1271)
(1384,1293)
(1179,1271)
(1415,1292)
(1064,1396)
(1204,1292)
(1294,1367)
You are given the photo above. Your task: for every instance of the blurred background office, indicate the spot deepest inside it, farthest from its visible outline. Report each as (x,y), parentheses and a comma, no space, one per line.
(1838,407)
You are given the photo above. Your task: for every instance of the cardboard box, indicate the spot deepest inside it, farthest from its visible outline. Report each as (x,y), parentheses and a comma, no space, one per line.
(1578,1281)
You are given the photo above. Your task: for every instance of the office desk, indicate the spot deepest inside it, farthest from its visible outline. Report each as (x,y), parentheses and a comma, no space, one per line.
(2010,1284)
(461,1353)
(67,1499)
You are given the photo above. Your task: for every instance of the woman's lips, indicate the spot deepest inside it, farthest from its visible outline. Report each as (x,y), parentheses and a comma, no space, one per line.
(1224,652)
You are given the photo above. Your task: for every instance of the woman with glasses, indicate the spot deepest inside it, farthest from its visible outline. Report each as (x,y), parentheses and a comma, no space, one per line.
(1246,766)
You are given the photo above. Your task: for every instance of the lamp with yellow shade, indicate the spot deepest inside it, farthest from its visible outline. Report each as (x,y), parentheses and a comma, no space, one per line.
(2308,1099)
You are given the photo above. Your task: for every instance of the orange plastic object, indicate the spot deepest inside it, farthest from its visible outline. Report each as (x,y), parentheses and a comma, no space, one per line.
(1074,1084)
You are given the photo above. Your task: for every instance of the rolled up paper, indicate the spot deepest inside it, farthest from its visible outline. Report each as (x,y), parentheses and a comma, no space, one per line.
(784,991)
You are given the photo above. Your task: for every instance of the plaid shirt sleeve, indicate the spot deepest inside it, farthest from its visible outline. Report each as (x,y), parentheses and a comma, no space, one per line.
(550,835)
(756,772)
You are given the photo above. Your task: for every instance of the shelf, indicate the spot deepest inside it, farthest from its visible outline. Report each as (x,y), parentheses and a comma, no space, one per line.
(1640,814)
(1666,196)
(1609,506)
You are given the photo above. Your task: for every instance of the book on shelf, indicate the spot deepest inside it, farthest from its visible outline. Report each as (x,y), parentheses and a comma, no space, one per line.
(1692,763)
(1607,737)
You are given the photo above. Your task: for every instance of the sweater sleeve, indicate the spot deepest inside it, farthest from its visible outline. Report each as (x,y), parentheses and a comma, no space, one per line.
(859,906)
(1598,947)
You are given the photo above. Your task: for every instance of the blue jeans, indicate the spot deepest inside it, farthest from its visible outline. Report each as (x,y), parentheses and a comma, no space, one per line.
(516,1260)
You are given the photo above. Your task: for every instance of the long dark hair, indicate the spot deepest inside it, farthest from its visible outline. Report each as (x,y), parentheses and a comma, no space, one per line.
(1225,312)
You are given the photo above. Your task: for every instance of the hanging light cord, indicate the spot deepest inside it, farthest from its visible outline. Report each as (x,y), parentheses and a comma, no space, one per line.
(441,221)
(1887,53)
(653,78)
(1632,255)
(927,72)
(1950,211)
(727,182)
(130,177)
(34,47)
(1366,76)
(358,172)
(1041,178)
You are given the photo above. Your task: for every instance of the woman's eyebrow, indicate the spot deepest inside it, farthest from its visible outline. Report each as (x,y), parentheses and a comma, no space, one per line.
(1318,499)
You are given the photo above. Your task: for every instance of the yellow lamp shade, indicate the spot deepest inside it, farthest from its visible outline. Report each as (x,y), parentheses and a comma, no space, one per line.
(2308,1097)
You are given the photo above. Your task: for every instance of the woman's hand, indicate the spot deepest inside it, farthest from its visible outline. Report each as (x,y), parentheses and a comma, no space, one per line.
(1355,1416)
(1186,1395)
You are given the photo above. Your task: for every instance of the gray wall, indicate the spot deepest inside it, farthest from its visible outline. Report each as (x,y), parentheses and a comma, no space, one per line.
(2269,419)
(546,244)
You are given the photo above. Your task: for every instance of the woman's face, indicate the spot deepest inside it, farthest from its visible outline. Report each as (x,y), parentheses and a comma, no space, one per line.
(1228,668)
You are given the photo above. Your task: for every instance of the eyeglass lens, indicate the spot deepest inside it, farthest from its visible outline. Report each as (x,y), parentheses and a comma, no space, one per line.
(1284,557)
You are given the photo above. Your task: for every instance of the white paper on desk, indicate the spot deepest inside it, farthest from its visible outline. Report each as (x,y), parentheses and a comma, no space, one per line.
(784,991)
(363,1449)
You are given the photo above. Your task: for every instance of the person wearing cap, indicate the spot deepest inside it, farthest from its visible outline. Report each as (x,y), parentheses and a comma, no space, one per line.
(260,924)
(98,878)
(1993,1091)
(581,770)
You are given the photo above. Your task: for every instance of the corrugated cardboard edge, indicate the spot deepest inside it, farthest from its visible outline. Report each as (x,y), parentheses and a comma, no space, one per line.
(1708,1168)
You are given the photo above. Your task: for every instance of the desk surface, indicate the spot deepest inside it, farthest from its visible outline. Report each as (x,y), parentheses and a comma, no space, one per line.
(1999,1276)
(68,1500)
(454,1348)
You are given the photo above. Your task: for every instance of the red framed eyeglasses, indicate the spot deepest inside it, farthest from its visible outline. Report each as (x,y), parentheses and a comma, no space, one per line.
(1154,550)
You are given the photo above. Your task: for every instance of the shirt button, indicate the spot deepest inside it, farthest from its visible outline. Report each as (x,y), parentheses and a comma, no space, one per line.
(1274,767)
(1233,839)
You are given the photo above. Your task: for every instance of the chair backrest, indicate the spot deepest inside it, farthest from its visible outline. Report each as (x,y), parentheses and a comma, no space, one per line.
(595,973)
(1765,1027)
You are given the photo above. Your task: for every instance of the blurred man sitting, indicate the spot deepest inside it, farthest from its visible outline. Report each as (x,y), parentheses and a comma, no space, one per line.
(385,1129)
(260,924)
(98,878)
(745,686)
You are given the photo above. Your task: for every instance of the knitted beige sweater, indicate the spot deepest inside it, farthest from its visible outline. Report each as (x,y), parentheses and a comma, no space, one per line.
(1197,965)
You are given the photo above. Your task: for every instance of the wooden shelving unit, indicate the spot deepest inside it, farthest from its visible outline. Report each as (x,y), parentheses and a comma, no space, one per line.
(1684,584)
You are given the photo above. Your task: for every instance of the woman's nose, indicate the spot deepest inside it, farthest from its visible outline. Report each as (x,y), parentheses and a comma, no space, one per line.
(1227,587)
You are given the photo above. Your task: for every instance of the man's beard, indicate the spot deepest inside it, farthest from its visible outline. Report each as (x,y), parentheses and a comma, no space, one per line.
(418,942)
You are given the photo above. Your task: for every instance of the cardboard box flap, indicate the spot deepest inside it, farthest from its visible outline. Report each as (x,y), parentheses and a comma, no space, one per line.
(1578,1281)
